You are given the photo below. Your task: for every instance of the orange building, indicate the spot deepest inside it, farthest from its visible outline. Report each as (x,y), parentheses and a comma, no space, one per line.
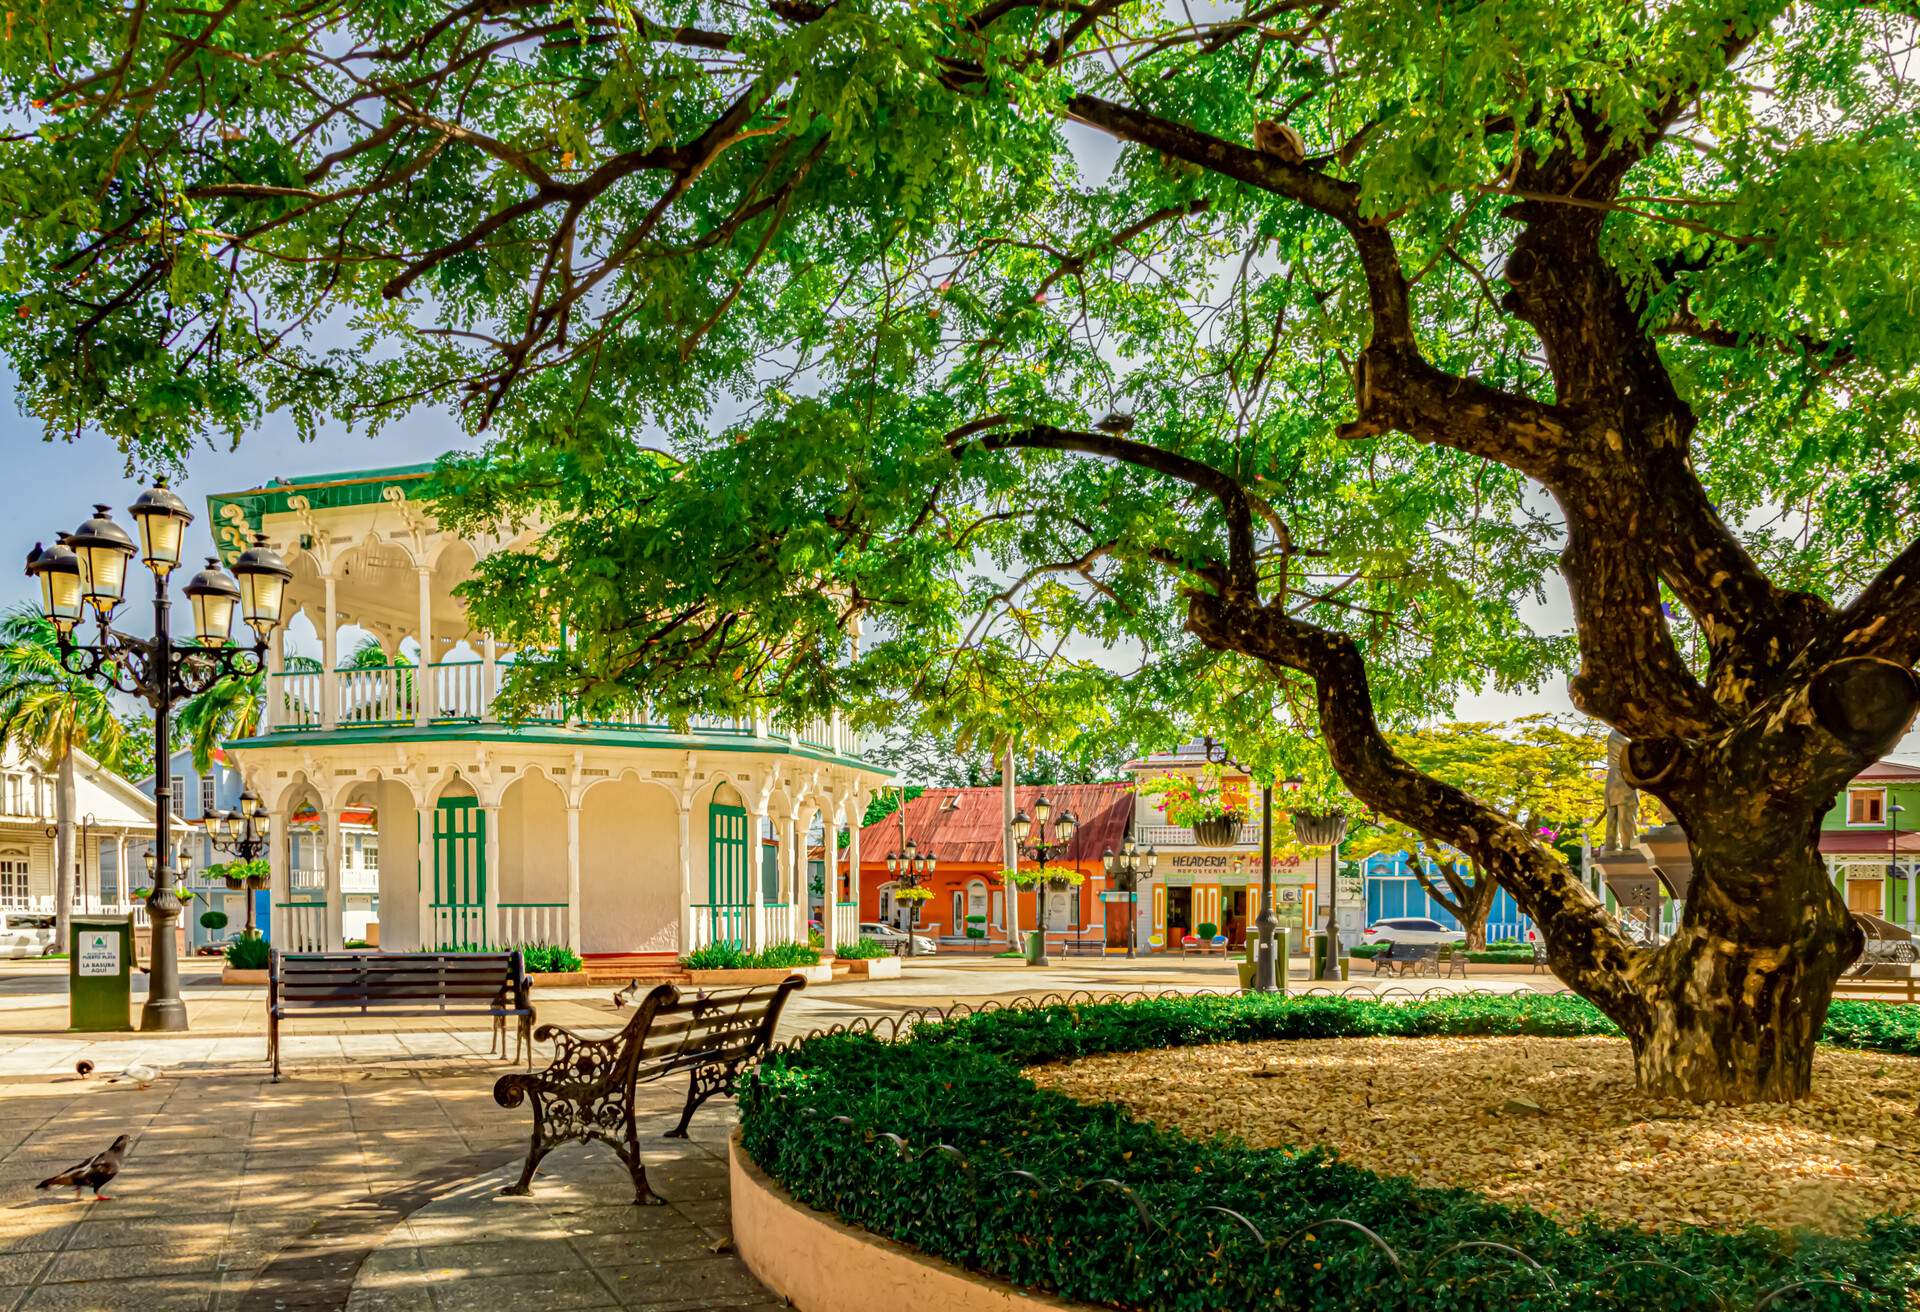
(963,828)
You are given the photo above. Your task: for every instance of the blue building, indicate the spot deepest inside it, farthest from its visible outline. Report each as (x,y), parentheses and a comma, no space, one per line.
(1393,891)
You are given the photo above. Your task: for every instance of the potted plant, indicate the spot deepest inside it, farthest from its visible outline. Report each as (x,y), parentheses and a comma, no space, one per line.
(1200,803)
(247,957)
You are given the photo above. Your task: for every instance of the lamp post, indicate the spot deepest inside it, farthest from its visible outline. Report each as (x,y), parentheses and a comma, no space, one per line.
(910,867)
(1126,868)
(243,835)
(1042,847)
(86,825)
(87,569)
(1266,965)
(1893,850)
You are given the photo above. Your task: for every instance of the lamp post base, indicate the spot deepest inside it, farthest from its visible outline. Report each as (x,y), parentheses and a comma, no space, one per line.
(163,1015)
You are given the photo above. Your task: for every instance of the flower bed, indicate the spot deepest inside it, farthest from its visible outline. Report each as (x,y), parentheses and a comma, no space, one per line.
(958,1083)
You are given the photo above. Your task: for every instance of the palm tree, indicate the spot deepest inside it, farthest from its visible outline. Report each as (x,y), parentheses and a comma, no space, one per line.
(45,709)
(229,709)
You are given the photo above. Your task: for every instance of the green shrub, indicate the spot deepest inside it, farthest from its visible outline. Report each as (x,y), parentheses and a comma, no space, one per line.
(715,956)
(1087,1243)
(215,920)
(1367,951)
(544,958)
(1503,956)
(248,952)
(354,943)
(864,949)
(1205,930)
(775,956)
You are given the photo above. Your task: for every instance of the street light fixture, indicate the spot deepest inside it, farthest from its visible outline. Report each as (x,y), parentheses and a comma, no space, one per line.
(88,567)
(1126,869)
(911,867)
(1035,826)
(243,835)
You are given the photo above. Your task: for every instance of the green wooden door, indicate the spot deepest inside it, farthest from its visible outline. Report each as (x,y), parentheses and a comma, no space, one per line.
(727,872)
(459,874)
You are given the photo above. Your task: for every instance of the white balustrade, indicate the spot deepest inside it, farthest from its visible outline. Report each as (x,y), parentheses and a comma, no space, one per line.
(303,927)
(459,690)
(458,926)
(299,694)
(1181,836)
(526,923)
(384,695)
(846,923)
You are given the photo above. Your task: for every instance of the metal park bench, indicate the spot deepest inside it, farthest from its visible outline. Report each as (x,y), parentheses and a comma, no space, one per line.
(1408,959)
(587,1092)
(1452,962)
(400,984)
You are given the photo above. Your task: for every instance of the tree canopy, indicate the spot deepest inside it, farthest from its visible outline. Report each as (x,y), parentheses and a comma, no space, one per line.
(1276,353)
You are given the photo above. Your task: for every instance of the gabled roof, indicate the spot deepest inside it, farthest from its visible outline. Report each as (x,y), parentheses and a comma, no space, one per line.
(1888,770)
(964,824)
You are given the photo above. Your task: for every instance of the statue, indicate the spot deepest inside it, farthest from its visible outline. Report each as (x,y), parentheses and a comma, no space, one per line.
(1622,799)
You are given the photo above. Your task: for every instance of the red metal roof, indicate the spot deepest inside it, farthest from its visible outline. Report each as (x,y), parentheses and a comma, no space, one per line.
(964,824)
(1867,842)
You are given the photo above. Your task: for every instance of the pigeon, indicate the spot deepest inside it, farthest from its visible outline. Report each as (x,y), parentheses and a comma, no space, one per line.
(83,1068)
(93,1173)
(140,1073)
(1116,423)
(627,994)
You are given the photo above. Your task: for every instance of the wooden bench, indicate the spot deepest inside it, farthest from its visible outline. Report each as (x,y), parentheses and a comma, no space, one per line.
(1409,959)
(417,984)
(587,1092)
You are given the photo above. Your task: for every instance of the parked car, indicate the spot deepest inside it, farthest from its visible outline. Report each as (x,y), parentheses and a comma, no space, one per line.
(1409,929)
(26,934)
(896,938)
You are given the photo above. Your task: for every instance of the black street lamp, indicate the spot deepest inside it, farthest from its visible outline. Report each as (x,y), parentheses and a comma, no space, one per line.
(1266,957)
(1042,847)
(243,835)
(911,868)
(88,568)
(1126,869)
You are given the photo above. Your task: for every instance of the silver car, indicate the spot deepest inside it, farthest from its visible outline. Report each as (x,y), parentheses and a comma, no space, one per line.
(1410,929)
(26,934)
(895,938)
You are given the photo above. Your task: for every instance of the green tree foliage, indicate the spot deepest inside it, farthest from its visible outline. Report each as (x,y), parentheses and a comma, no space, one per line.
(1100,363)
(229,709)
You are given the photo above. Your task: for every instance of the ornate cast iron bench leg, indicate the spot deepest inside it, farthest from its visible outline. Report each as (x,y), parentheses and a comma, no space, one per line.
(704,1083)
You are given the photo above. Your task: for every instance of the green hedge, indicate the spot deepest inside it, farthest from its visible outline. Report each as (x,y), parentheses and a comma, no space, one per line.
(775,956)
(959,1083)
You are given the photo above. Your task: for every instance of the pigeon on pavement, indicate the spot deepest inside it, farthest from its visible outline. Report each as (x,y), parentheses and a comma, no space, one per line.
(626,995)
(93,1173)
(140,1073)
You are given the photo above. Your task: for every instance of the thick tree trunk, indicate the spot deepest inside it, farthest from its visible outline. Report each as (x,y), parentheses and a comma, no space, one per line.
(1737,999)
(65,800)
(1479,907)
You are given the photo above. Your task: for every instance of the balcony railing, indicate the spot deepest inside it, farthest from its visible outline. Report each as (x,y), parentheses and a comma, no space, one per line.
(1181,836)
(457,692)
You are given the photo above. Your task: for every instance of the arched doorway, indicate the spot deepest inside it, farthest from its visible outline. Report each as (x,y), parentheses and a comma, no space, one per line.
(459,869)
(727,871)
(629,879)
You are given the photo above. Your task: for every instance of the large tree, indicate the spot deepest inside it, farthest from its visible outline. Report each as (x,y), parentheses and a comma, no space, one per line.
(1394,303)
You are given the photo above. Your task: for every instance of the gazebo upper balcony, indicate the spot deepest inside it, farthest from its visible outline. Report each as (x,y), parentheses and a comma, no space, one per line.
(451,693)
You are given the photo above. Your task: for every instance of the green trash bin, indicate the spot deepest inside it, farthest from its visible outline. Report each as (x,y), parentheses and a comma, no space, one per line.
(99,973)
(1036,946)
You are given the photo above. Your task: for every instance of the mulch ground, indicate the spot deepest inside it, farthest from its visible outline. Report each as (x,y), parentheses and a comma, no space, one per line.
(1553,1124)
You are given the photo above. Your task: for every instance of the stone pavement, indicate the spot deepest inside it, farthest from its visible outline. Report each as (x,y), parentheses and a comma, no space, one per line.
(367,1179)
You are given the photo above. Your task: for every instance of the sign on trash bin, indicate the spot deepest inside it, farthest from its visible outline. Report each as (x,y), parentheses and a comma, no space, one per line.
(99,981)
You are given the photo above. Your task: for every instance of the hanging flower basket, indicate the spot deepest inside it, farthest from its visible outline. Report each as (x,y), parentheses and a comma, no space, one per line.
(256,881)
(1217,831)
(233,883)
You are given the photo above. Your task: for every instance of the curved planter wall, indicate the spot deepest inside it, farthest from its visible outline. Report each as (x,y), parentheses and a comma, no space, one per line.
(820,1264)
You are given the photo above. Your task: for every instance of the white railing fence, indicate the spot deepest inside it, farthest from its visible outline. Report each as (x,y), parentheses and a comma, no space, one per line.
(303,927)
(459,690)
(1181,836)
(385,695)
(297,701)
(528,923)
(846,923)
(458,926)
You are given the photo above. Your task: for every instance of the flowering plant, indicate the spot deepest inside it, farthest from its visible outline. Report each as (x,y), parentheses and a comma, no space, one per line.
(1034,876)
(1191,800)
(913,895)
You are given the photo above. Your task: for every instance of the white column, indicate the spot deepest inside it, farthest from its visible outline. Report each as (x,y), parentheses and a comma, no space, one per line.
(336,879)
(329,657)
(686,875)
(489,675)
(423,689)
(270,686)
(756,887)
(789,855)
(573,875)
(490,817)
(830,867)
(279,876)
(427,878)
(120,873)
(1913,877)
(855,812)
